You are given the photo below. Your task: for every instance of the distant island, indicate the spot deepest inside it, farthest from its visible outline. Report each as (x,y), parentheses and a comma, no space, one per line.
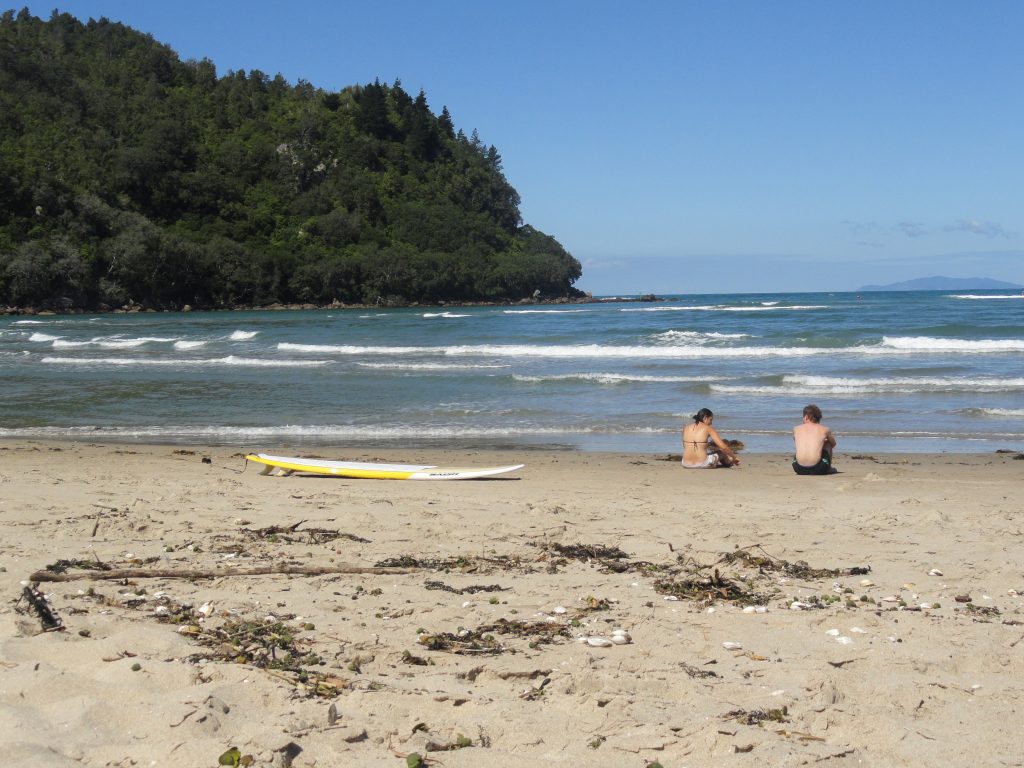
(940,283)
(130,179)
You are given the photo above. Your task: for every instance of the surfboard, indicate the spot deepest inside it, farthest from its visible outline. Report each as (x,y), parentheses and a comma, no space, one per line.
(286,465)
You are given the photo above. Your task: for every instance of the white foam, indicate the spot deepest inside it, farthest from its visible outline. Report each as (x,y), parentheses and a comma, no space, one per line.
(42,337)
(933,344)
(112,342)
(432,366)
(189,344)
(230,360)
(567,351)
(979,297)
(29,322)
(903,383)
(1015,413)
(443,314)
(543,311)
(242,335)
(613,378)
(293,431)
(698,336)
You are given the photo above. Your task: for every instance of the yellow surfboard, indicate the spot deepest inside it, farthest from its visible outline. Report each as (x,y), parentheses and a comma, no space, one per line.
(286,465)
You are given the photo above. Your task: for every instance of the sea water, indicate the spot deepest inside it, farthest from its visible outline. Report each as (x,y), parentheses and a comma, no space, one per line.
(914,371)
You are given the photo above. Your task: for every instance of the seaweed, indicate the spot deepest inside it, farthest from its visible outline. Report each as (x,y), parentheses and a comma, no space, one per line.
(37,601)
(62,566)
(758,716)
(481,641)
(708,590)
(697,672)
(799,570)
(470,590)
(462,564)
(307,536)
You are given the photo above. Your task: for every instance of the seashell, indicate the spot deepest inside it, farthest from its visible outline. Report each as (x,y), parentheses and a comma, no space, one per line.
(671,597)
(858,631)
(867,583)
(619,631)
(463,633)
(711,610)
(976,686)
(749,609)
(796,605)
(891,638)
(550,619)
(560,609)
(731,646)
(205,609)
(622,639)
(599,642)
(270,618)
(832,632)
(925,606)
(844,640)
(189,629)
(1011,592)
(467,604)
(161,610)
(582,640)
(890,599)
(935,572)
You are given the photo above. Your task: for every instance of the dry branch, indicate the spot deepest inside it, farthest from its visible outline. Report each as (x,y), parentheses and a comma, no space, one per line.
(210,573)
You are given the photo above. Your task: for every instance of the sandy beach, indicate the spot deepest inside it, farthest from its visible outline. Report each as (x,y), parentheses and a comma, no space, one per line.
(870,618)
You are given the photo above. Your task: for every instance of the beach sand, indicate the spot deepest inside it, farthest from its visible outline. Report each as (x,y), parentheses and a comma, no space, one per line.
(851,680)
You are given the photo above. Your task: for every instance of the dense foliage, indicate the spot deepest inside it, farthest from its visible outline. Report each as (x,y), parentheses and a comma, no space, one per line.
(129,176)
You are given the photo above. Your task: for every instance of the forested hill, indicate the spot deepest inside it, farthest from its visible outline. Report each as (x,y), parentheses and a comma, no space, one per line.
(128,176)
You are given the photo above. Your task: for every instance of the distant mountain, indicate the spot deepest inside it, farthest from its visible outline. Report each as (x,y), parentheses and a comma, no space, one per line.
(939,283)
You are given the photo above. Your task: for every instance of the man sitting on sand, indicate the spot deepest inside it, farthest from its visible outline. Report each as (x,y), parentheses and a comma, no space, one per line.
(814,444)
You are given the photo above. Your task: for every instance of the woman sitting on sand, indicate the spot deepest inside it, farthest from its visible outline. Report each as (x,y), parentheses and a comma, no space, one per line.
(702,447)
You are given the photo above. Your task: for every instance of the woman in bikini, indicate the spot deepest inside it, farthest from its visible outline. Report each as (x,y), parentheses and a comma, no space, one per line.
(702,447)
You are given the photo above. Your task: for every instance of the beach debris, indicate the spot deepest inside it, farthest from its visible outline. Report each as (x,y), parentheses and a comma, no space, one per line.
(599,642)
(481,641)
(755,609)
(235,758)
(732,646)
(461,564)
(935,572)
(766,562)
(844,640)
(867,583)
(697,672)
(37,601)
(758,716)
(470,590)
(715,587)
(833,632)
(119,574)
(62,566)
(289,534)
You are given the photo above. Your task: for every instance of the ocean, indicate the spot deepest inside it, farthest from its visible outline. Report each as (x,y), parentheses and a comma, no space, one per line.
(893,372)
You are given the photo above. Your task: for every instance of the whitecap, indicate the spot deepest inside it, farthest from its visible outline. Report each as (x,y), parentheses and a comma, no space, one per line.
(230,360)
(242,335)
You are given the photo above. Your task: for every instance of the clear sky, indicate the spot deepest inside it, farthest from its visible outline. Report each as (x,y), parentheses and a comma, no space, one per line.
(683,146)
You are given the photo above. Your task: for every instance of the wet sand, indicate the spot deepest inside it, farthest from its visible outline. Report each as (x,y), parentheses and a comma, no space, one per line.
(890,667)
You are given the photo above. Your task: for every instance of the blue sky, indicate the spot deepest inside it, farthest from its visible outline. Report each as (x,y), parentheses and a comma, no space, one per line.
(691,146)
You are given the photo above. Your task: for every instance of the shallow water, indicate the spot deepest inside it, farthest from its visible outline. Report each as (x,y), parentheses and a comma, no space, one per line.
(916,371)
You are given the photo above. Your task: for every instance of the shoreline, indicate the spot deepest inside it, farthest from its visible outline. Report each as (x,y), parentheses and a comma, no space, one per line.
(470,644)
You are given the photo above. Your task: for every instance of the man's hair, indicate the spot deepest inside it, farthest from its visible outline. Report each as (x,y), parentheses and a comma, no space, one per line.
(813,413)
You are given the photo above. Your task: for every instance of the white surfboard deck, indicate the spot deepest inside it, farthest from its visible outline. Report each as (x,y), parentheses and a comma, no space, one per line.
(287,465)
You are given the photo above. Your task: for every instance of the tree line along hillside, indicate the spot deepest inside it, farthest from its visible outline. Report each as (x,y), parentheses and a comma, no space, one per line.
(130,177)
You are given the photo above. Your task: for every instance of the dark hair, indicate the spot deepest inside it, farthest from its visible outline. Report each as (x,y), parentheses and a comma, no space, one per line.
(813,413)
(703,413)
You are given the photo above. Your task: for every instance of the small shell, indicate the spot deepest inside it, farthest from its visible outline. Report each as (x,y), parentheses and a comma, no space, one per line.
(622,639)
(749,609)
(935,572)
(760,609)
(796,605)
(467,604)
(1011,592)
(925,606)
(832,632)
(599,642)
(731,646)
(867,583)
(858,631)
(205,609)
(671,597)
(582,640)
(560,609)
(844,640)
(890,599)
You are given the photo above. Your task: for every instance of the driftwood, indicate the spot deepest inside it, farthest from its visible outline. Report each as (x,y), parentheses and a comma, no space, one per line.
(209,573)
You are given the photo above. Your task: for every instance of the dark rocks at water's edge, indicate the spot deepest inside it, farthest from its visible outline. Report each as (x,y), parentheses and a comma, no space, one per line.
(132,309)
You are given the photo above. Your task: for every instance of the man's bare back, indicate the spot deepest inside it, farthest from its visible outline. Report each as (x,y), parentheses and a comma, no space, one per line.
(813,443)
